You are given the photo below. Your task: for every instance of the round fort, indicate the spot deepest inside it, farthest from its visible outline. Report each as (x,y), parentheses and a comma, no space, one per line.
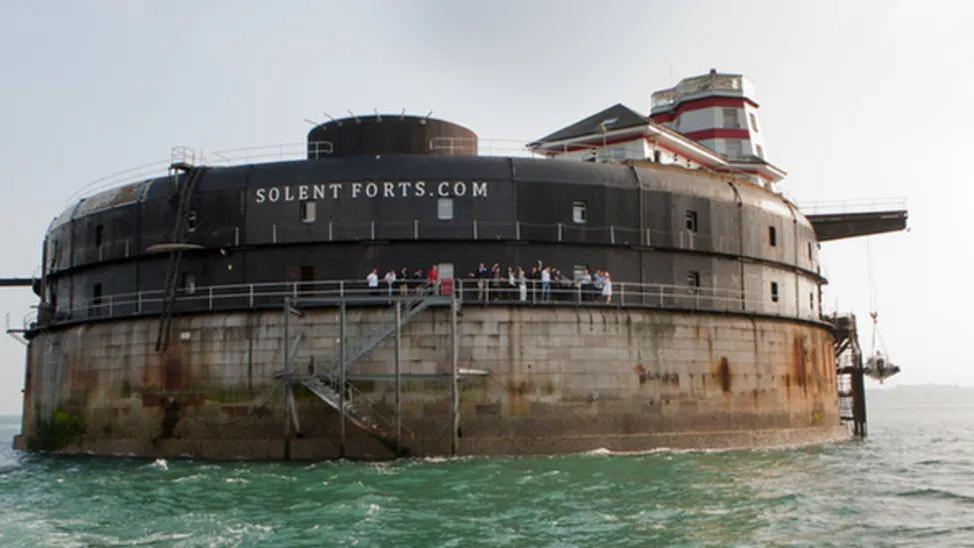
(225,312)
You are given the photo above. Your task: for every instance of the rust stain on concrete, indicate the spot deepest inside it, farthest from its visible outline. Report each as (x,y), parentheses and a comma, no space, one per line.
(799,360)
(724,374)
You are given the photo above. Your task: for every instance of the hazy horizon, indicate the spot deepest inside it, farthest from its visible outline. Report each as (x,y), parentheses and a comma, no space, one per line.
(858,100)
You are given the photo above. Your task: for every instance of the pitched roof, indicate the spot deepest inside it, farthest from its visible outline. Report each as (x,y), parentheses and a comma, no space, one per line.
(615,117)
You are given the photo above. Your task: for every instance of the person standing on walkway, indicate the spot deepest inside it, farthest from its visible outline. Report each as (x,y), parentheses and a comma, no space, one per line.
(522,285)
(390,280)
(482,275)
(607,287)
(433,279)
(373,281)
(545,283)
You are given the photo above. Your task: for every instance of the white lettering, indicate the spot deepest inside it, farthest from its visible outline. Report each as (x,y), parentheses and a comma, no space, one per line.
(459,188)
(388,190)
(443,189)
(479,189)
(420,188)
(319,192)
(371,190)
(303,192)
(404,187)
(274,194)
(261,195)
(356,189)
(335,187)
(288,197)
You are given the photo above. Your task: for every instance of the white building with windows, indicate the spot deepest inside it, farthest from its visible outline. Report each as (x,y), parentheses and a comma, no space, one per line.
(705,122)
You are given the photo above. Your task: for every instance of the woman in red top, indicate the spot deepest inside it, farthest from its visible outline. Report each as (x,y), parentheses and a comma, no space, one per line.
(433,276)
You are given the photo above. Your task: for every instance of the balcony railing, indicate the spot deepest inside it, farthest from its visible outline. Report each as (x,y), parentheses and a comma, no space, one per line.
(469,291)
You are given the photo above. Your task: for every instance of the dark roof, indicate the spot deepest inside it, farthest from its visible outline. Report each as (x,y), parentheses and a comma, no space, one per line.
(615,117)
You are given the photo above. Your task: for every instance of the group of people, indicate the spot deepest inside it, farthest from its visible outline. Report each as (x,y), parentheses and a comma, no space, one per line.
(542,279)
(492,282)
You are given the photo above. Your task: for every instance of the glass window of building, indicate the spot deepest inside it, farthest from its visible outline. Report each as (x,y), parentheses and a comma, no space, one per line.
(772,236)
(754,121)
(774,292)
(444,209)
(730,118)
(309,211)
(760,151)
(99,235)
(191,220)
(692,220)
(579,212)
(733,148)
(693,278)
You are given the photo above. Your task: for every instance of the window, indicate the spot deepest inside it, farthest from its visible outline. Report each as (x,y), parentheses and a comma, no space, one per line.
(444,209)
(657,156)
(774,292)
(691,220)
(811,301)
(733,148)
(96,294)
(760,151)
(730,118)
(754,121)
(308,211)
(693,278)
(99,235)
(579,212)
(189,283)
(191,220)
(810,256)
(772,236)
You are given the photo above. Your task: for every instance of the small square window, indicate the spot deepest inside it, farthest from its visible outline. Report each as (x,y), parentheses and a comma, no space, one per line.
(811,256)
(811,301)
(444,209)
(760,151)
(754,121)
(691,223)
(579,212)
(309,211)
(191,220)
(693,278)
(774,292)
(772,236)
(734,148)
(99,235)
(730,118)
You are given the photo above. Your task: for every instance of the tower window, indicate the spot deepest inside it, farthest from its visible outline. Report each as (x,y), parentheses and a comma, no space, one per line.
(733,148)
(760,151)
(579,212)
(754,121)
(691,223)
(444,209)
(693,278)
(309,211)
(99,235)
(730,118)
(191,220)
(772,236)
(774,292)
(811,301)
(810,256)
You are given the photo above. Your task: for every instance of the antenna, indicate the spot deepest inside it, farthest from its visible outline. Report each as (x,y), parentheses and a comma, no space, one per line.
(402,115)
(423,121)
(329,116)
(352,114)
(378,117)
(312,122)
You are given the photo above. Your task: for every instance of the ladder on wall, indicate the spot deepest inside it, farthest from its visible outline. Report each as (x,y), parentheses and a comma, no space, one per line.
(180,234)
(849,373)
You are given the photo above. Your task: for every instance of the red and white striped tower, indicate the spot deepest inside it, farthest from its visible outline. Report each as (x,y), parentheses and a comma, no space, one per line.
(717,110)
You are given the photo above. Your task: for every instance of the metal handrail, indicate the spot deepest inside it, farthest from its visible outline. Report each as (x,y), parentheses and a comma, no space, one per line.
(466,290)
(861,205)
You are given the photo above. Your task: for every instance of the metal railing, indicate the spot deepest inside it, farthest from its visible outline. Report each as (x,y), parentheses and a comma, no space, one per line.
(862,205)
(500,291)
(275,153)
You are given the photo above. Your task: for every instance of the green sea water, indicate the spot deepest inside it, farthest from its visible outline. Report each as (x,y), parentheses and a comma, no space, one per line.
(911,482)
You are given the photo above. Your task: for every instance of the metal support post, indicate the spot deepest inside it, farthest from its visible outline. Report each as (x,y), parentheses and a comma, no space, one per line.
(454,381)
(341,379)
(287,362)
(398,372)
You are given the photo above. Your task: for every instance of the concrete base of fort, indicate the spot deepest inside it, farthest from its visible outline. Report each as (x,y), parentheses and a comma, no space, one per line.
(560,380)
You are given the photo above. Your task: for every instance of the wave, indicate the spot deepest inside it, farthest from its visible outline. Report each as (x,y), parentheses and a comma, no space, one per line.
(937,493)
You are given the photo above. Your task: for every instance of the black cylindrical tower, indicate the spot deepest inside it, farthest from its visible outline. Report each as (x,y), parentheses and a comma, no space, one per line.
(390,134)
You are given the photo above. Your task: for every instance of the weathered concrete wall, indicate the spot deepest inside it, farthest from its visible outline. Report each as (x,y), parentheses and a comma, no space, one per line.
(561,380)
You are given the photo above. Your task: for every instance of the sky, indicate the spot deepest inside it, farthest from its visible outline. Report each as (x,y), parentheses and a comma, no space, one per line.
(859,100)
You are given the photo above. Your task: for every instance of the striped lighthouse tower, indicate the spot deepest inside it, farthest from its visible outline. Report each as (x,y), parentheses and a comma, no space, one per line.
(717,110)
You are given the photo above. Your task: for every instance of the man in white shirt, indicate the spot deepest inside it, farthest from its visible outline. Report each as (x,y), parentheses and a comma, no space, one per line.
(373,281)
(545,283)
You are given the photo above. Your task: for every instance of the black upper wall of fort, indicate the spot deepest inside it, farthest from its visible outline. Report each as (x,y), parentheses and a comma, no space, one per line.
(384,212)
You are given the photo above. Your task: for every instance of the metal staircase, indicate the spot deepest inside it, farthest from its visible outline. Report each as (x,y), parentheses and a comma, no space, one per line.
(180,235)
(849,373)
(329,382)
